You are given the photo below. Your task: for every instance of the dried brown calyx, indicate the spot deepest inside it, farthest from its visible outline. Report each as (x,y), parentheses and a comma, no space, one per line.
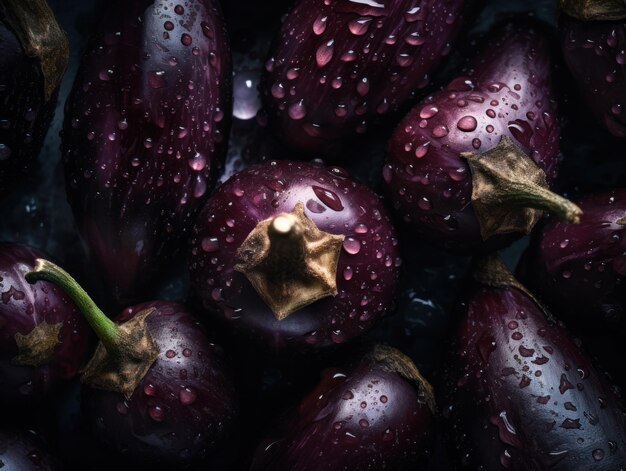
(37,347)
(622,222)
(397,362)
(125,352)
(595,10)
(510,191)
(41,38)
(490,270)
(290,262)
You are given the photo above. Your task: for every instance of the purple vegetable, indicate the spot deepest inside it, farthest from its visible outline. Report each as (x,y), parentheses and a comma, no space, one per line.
(33,57)
(43,337)
(339,66)
(156,389)
(377,414)
(469,167)
(593,39)
(525,396)
(144,132)
(295,256)
(580,271)
(22,451)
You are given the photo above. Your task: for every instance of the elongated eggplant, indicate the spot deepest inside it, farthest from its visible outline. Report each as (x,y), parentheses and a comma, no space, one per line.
(43,338)
(580,271)
(144,131)
(34,53)
(593,39)
(339,66)
(469,167)
(376,414)
(525,397)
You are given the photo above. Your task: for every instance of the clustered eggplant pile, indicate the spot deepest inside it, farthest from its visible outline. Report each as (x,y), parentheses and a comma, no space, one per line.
(258,211)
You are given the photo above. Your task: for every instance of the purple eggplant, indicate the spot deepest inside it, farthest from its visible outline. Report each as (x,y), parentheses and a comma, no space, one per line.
(580,271)
(156,390)
(525,397)
(34,53)
(339,66)
(43,337)
(144,134)
(375,414)
(593,39)
(295,256)
(22,451)
(470,166)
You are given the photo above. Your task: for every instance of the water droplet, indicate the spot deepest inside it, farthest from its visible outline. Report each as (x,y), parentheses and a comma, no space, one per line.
(210,244)
(156,413)
(297,111)
(186,39)
(347,273)
(428,112)
(187,396)
(329,198)
(467,123)
(351,245)
(278,91)
(170,354)
(319,25)
(168,25)
(364,423)
(440,131)
(363,86)
(325,53)
(359,26)
(383,399)
(179,9)
(156,79)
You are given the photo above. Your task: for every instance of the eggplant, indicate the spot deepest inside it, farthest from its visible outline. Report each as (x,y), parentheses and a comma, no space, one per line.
(295,257)
(524,396)
(377,413)
(593,39)
(34,54)
(144,134)
(580,271)
(469,168)
(338,67)
(156,391)
(23,451)
(43,338)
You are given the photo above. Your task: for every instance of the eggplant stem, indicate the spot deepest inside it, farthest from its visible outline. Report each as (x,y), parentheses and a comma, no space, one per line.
(106,330)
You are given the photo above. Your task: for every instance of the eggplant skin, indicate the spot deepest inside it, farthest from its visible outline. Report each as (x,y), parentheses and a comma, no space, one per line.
(144,134)
(359,418)
(338,67)
(594,53)
(579,270)
(526,397)
(25,115)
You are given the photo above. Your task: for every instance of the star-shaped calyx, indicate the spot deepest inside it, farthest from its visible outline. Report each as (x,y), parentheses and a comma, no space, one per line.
(290,262)
(595,10)
(510,191)
(37,347)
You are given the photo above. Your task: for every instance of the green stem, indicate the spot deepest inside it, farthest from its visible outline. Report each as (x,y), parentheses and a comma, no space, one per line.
(106,330)
(535,196)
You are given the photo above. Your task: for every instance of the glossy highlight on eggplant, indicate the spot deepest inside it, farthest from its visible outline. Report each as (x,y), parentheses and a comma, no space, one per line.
(525,396)
(502,106)
(43,337)
(156,391)
(579,271)
(144,134)
(340,66)
(377,413)
(366,273)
